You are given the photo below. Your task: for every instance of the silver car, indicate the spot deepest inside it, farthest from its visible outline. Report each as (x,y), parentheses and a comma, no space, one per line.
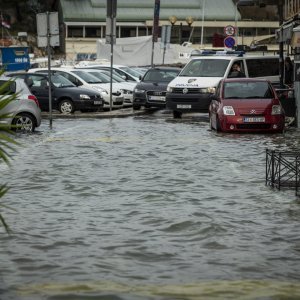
(22,113)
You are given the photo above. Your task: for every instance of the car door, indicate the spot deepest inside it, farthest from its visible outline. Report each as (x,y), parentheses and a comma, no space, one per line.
(39,86)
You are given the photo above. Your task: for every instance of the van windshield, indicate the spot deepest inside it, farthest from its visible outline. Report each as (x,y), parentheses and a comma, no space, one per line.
(205,68)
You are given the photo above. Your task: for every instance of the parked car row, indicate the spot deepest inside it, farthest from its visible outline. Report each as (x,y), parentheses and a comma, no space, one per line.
(238,104)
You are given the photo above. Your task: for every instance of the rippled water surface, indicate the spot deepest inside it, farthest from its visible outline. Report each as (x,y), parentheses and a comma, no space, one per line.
(147,208)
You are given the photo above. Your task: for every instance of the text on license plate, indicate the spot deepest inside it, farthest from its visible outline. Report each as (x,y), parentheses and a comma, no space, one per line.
(160,98)
(254,119)
(97,102)
(184,106)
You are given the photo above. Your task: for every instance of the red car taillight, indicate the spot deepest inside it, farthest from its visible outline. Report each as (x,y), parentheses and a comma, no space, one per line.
(32,97)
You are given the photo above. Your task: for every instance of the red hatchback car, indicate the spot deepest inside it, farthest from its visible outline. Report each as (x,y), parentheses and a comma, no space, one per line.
(246,105)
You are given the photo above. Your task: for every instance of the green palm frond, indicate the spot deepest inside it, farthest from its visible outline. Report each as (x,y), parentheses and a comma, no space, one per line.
(7,143)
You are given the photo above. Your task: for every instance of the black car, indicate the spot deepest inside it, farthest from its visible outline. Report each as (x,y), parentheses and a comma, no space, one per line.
(151,90)
(66,97)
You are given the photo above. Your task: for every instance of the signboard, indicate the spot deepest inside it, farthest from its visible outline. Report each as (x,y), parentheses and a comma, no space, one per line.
(165,35)
(229,30)
(15,58)
(110,30)
(229,42)
(42,24)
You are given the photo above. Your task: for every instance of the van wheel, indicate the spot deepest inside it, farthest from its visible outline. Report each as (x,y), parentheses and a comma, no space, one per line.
(177,114)
(66,106)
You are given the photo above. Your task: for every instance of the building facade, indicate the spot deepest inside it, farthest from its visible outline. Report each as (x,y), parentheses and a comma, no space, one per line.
(200,22)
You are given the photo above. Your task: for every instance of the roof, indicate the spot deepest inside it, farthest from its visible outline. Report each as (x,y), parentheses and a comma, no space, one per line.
(95,10)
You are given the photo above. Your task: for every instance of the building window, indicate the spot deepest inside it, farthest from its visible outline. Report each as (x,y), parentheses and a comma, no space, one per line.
(92,32)
(75,31)
(142,31)
(128,32)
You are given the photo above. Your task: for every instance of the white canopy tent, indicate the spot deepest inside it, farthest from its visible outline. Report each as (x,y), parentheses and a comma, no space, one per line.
(137,51)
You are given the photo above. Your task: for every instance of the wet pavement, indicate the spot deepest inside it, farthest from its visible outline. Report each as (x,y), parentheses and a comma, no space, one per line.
(147,207)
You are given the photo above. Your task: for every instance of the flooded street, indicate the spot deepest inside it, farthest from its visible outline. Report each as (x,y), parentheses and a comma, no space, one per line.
(147,208)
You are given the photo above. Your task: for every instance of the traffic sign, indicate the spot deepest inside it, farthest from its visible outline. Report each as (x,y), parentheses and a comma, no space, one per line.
(229,30)
(229,42)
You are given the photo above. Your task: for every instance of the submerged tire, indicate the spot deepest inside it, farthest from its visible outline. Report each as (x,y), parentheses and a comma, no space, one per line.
(24,122)
(177,114)
(136,107)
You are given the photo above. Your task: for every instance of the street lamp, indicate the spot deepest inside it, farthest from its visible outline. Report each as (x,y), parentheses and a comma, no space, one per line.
(173,20)
(189,21)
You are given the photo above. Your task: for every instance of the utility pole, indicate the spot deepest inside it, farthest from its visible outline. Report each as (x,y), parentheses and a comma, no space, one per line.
(111,14)
(281,59)
(155,27)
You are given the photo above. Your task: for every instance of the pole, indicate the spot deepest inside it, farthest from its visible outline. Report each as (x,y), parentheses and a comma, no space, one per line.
(155,27)
(281,61)
(49,69)
(202,26)
(235,22)
(111,14)
(111,60)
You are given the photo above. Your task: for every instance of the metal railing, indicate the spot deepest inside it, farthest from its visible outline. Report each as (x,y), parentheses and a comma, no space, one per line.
(283,170)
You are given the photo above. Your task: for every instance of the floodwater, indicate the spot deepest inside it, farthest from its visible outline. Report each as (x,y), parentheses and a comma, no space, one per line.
(147,208)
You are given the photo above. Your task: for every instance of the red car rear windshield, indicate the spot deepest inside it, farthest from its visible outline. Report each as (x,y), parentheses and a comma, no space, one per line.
(247,90)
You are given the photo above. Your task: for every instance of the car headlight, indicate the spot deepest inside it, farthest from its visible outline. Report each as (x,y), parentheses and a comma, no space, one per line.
(276,110)
(127,92)
(211,89)
(228,111)
(84,97)
(169,89)
(139,91)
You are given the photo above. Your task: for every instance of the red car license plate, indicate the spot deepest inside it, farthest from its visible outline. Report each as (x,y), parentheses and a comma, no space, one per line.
(254,120)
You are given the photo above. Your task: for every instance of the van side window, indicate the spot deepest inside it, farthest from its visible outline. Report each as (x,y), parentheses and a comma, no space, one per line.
(263,67)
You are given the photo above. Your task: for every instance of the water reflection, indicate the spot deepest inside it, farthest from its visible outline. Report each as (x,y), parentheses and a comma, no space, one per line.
(144,208)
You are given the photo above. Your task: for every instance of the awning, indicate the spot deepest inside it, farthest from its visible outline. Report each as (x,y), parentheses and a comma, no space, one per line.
(285,33)
(295,42)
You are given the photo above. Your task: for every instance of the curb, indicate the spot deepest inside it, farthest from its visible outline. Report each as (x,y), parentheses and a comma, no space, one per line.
(120,113)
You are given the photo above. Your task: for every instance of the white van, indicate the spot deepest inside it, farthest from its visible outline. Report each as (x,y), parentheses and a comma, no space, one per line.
(191,90)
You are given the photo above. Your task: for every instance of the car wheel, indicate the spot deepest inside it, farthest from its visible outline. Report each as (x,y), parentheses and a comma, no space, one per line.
(136,107)
(66,107)
(24,123)
(177,114)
